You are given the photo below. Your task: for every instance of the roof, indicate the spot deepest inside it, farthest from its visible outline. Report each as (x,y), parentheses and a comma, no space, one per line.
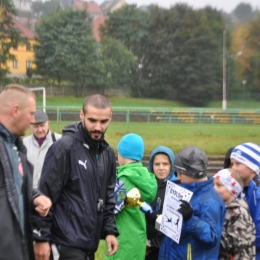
(92,7)
(105,3)
(96,23)
(25,32)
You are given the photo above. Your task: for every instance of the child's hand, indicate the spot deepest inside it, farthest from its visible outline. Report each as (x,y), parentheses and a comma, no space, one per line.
(146,208)
(186,210)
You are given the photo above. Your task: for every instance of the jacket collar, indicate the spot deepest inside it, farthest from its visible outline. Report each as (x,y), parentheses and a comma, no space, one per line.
(7,136)
(198,187)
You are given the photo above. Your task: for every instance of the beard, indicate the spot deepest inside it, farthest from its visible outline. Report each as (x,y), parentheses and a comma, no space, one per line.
(96,135)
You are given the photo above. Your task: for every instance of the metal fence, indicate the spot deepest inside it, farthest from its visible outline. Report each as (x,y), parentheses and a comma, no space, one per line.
(166,115)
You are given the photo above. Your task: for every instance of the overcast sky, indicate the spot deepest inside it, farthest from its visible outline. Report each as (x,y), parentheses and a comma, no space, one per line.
(225,5)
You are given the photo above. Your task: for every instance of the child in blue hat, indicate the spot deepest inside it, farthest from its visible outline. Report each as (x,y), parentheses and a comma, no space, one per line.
(130,221)
(161,164)
(245,159)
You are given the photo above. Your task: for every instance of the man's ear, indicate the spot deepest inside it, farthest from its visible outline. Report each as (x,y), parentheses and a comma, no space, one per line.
(81,115)
(15,111)
(110,117)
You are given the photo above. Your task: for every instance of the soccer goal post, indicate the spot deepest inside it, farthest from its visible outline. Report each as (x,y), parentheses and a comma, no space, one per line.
(43,96)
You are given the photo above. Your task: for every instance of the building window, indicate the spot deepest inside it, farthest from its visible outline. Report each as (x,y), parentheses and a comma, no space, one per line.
(28,64)
(28,46)
(15,64)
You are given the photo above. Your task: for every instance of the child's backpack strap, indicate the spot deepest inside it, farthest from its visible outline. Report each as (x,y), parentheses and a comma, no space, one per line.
(120,195)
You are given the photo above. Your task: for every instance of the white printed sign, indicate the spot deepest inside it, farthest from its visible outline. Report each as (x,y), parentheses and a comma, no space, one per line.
(171,218)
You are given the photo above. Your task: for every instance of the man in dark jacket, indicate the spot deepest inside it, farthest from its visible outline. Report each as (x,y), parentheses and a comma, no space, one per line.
(79,175)
(17,199)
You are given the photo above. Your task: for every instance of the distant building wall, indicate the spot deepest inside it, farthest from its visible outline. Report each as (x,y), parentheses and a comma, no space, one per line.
(22,5)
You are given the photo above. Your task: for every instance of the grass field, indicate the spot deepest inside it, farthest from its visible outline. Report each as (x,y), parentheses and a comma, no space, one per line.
(100,252)
(214,139)
(140,102)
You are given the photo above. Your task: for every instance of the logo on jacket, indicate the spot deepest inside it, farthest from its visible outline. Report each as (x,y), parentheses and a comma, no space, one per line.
(20,169)
(238,152)
(83,164)
(38,232)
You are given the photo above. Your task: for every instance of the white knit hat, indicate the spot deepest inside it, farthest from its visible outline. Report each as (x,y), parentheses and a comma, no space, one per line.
(248,154)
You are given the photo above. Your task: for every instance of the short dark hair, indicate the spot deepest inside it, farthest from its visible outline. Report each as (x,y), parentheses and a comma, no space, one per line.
(96,100)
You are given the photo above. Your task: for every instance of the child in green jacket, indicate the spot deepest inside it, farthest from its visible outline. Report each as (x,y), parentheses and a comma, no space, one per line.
(130,220)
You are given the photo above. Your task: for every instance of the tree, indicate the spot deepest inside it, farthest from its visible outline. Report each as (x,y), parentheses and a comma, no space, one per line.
(130,25)
(66,49)
(179,50)
(185,47)
(45,8)
(117,63)
(244,13)
(239,54)
(246,50)
(9,36)
(253,44)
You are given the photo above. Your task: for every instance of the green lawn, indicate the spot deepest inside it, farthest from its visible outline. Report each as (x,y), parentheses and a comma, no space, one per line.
(54,101)
(214,139)
(100,252)
(131,102)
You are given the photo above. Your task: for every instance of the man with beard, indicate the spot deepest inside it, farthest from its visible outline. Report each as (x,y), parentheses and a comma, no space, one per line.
(79,175)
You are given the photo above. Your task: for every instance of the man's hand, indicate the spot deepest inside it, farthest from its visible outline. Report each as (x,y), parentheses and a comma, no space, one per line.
(42,204)
(42,251)
(112,245)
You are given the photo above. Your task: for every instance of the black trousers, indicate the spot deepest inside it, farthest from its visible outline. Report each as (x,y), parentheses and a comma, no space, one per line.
(71,253)
(153,253)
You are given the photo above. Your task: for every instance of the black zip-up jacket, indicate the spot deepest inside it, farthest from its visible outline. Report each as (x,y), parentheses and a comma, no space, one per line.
(13,243)
(75,178)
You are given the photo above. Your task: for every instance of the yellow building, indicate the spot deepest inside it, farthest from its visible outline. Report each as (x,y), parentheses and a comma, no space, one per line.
(112,5)
(24,54)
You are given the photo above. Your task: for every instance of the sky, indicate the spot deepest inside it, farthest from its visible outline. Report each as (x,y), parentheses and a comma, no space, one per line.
(225,5)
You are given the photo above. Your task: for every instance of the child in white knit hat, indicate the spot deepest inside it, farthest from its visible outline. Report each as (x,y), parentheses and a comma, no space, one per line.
(245,159)
(238,234)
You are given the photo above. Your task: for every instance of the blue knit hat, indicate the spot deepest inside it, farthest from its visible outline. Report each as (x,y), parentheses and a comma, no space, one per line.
(248,154)
(131,146)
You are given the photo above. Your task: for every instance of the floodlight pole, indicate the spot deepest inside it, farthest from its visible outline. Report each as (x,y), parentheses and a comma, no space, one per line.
(43,96)
(224,101)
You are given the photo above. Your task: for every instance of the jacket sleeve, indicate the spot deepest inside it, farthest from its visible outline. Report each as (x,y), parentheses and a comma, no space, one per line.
(35,193)
(238,232)
(256,219)
(206,226)
(109,221)
(54,175)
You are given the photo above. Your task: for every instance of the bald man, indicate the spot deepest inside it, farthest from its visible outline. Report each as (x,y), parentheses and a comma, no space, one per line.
(79,175)
(17,199)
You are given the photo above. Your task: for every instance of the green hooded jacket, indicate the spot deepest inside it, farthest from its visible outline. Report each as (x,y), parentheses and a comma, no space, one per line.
(131,222)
